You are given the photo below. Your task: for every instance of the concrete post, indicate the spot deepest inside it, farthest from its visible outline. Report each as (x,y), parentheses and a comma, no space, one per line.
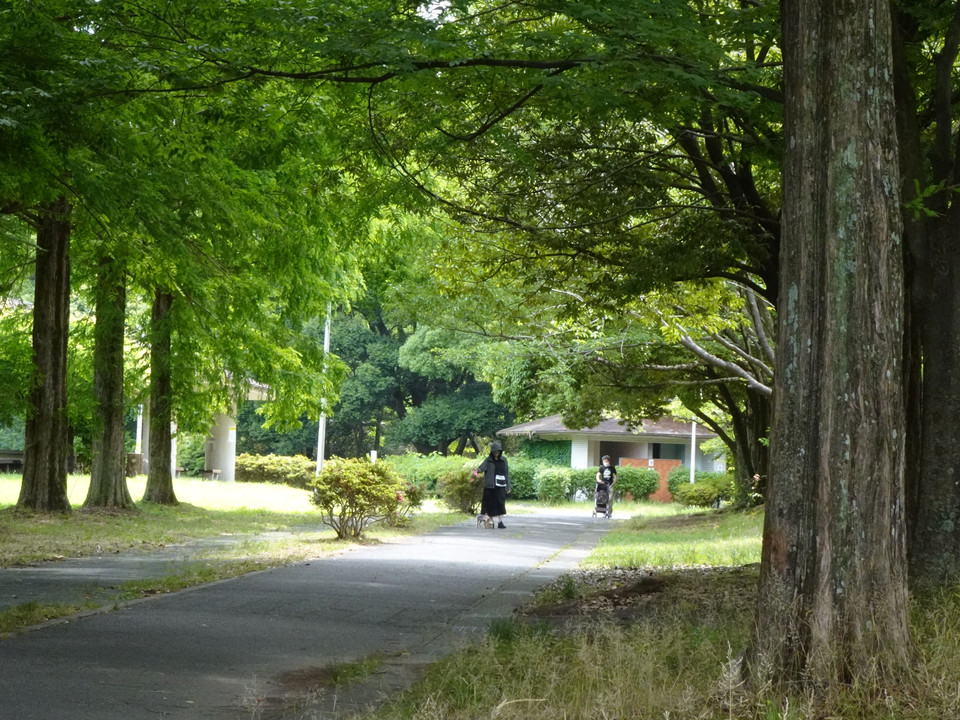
(222,447)
(144,427)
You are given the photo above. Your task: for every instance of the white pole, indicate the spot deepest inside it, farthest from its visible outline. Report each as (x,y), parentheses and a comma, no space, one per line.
(322,431)
(693,449)
(139,447)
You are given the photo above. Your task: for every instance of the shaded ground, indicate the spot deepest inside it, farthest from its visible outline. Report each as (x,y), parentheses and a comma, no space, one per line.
(628,596)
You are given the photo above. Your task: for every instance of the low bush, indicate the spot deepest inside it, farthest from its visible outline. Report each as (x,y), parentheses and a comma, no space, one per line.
(680,476)
(523,484)
(461,490)
(426,470)
(640,482)
(553,483)
(707,491)
(583,479)
(353,494)
(297,471)
(411,500)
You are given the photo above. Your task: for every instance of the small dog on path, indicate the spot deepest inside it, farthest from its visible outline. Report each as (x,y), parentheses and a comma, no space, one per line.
(485,521)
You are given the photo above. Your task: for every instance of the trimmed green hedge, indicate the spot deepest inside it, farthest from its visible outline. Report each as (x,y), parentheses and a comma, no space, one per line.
(425,470)
(553,483)
(639,482)
(297,471)
(523,484)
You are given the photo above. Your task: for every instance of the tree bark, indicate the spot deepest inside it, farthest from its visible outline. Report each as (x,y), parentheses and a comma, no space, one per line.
(45,447)
(159,487)
(832,605)
(932,265)
(108,481)
(934,540)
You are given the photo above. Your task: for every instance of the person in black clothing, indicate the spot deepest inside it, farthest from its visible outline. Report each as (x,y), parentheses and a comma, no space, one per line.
(606,477)
(496,484)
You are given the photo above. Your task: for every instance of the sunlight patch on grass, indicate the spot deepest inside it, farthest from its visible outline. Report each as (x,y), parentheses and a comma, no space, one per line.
(700,540)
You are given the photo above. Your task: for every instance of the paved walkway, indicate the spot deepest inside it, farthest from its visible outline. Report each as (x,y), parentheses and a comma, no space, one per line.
(255,646)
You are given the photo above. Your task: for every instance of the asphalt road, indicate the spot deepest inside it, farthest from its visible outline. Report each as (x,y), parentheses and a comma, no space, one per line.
(257,646)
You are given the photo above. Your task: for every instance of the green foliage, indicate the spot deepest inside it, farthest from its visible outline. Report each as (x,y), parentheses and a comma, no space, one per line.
(707,490)
(465,412)
(639,482)
(583,480)
(548,452)
(191,455)
(461,490)
(680,475)
(297,471)
(523,484)
(554,484)
(11,435)
(352,494)
(257,439)
(411,499)
(425,470)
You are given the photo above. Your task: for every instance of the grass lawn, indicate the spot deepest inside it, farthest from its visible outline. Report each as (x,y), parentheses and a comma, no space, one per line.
(207,509)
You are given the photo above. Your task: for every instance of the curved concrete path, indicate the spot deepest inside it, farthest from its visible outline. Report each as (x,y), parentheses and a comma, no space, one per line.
(252,646)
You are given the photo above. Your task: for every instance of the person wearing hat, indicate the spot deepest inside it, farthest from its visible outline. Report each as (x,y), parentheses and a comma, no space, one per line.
(496,484)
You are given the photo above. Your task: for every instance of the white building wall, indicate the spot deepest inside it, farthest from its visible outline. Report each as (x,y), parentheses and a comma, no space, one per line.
(580,453)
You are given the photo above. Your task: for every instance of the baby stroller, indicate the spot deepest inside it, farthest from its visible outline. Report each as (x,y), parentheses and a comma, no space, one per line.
(602,501)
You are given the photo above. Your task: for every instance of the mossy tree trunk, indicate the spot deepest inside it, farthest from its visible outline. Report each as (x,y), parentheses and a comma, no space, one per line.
(159,487)
(832,605)
(108,482)
(46,445)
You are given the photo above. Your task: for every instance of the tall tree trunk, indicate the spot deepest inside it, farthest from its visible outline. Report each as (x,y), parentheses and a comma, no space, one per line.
(108,482)
(934,540)
(45,439)
(832,604)
(933,356)
(159,487)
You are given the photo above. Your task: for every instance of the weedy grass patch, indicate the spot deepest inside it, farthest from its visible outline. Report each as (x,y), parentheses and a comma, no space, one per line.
(693,539)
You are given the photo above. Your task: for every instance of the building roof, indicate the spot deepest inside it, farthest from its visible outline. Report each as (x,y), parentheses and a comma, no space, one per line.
(553,427)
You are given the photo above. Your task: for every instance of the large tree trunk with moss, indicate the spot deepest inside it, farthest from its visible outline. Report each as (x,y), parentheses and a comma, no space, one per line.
(108,482)
(832,604)
(159,476)
(45,439)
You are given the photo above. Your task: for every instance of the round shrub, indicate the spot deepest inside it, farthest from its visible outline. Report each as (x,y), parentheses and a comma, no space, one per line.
(553,483)
(352,494)
(680,476)
(708,491)
(461,490)
(410,501)
(639,482)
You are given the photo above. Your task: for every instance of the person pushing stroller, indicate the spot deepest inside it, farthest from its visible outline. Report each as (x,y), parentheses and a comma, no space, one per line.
(603,493)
